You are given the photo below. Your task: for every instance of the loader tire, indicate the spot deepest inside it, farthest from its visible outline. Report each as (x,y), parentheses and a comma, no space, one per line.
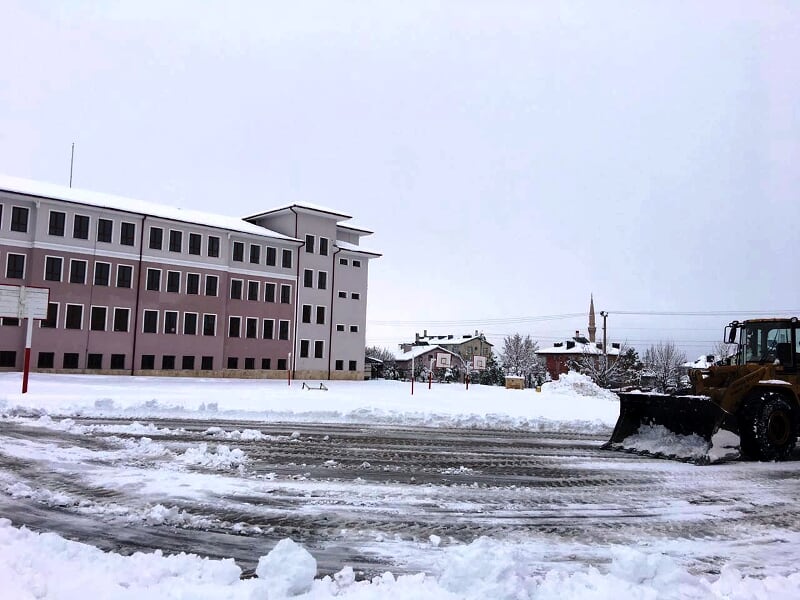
(769,428)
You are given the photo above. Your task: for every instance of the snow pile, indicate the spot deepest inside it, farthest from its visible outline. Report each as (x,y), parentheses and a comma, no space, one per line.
(657,439)
(288,570)
(34,565)
(70,426)
(222,459)
(575,384)
(247,435)
(44,496)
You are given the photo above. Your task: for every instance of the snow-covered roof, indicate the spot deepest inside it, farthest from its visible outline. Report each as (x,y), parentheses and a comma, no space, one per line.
(702,362)
(351,227)
(444,339)
(303,207)
(418,351)
(589,348)
(141,207)
(354,248)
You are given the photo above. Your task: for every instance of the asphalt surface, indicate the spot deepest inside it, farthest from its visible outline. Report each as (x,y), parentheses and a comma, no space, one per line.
(361,495)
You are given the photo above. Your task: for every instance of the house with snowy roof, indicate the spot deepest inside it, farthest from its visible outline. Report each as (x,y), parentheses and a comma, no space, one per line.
(559,356)
(424,357)
(466,346)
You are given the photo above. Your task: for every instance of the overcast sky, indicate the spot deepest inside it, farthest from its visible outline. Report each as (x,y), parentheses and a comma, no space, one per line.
(512,157)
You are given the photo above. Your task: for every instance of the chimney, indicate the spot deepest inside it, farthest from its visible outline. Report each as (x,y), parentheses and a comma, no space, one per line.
(476,333)
(577,333)
(424,333)
(570,344)
(416,337)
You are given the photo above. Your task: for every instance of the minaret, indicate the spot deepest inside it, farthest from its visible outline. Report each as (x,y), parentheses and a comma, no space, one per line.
(592,328)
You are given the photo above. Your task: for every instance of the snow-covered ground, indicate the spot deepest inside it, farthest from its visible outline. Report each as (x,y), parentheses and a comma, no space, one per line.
(45,565)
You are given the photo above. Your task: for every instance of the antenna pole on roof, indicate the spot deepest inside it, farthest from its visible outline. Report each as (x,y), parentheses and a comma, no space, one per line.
(71,162)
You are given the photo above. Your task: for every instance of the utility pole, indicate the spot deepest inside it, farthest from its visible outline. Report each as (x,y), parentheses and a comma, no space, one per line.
(604,314)
(71,162)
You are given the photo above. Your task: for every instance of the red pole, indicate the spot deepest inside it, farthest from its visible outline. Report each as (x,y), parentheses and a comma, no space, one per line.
(430,379)
(26,370)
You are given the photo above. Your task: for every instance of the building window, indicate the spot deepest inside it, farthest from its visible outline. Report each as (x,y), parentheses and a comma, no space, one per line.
(323,246)
(304,345)
(150,321)
(209,324)
(342,294)
(74,316)
(213,246)
(322,280)
(233,362)
(168,362)
(309,244)
(80,228)
(175,240)
(156,238)
(104,230)
(94,361)
(57,223)
(320,315)
(207,363)
(319,346)
(238,251)
(70,360)
(195,243)
(340,365)
(10,321)
(255,254)
(343,261)
(272,255)
(355,296)
(102,273)
(281,364)
(187,363)
(234,327)
(77,271)
(250,363)
(189,323)
(308,278)
(356,263)
(268,330)
(118,361)
(251,328)
(306,318)
(339,327)
(124,276)
(52,268)
(193,284)
(15,266)
(283,330)
(153,280)
(171,321)
(252,290)
(211,285)
(266,363)
(286,294)
(269,292)
(46,359)
(148,362)
(286,259)
(51,321)
(174,282)
(19,219)
(97,318)
(353,328)
(122,319)
(127,237)
(352,365)
(236,289)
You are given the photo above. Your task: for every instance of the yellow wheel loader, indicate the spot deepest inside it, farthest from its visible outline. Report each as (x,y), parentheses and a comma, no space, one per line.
(755,397)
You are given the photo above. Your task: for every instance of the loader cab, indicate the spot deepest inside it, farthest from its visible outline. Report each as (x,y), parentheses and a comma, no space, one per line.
(768,341)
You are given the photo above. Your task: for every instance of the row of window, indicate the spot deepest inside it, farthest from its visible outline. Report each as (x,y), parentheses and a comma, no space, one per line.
(308,279)
(339,365)
(81,225)
(71,360)
(248,327)
(310,245)
(319,348)
(78,268)
(353,295)
(254,256)
(254,291)
(355,262)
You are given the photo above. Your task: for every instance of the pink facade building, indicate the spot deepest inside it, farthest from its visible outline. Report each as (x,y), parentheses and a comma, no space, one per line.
(141,288)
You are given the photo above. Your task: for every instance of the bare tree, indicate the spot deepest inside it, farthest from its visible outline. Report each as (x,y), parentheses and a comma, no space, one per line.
(664,360)
(723,351)
(518,357)
(606,370)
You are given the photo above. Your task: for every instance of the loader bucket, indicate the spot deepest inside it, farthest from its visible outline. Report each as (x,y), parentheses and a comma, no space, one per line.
(681,415)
